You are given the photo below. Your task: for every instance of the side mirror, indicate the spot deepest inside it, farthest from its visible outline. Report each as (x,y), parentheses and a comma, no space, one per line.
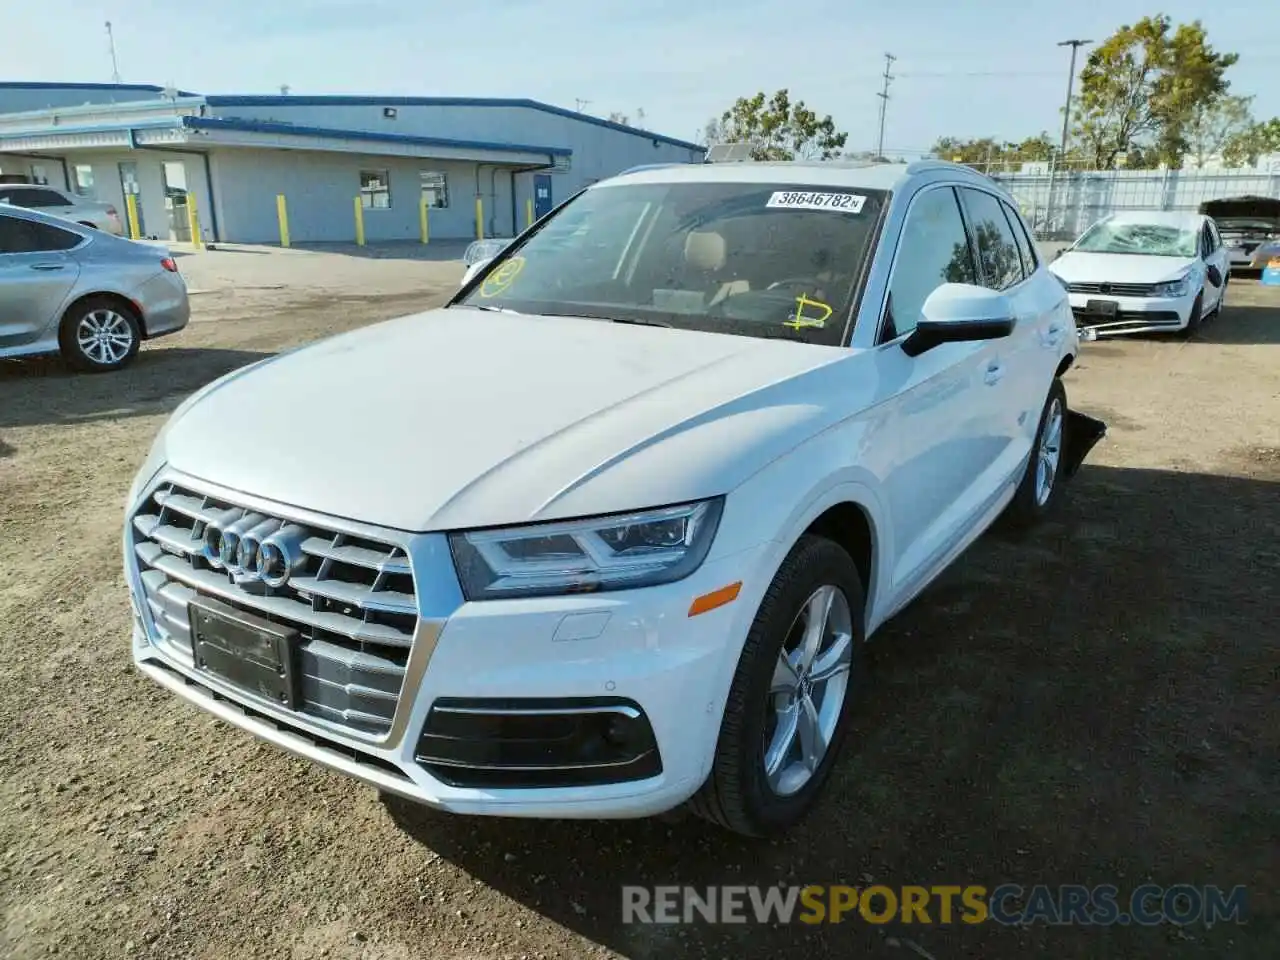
(1215,275)
(960,313)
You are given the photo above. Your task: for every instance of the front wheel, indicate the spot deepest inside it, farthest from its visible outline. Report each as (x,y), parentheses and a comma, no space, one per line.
(800,671)
(1193,321)
(99,334)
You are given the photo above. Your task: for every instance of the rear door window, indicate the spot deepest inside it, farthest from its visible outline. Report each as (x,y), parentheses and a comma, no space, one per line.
(27,236)
(999,260)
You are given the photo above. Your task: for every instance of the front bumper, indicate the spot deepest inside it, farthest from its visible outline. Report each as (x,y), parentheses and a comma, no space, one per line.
(1133,314)
(638,648)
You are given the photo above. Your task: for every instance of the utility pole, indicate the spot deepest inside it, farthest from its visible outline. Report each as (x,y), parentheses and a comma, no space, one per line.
(884,102)
(111,44)
(1075,46)
(581,104)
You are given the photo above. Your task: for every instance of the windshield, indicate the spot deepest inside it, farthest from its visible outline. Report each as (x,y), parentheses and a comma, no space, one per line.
(751,259)
(1149,239)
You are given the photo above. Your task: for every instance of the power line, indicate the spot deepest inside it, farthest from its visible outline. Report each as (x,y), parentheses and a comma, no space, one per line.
(884,101)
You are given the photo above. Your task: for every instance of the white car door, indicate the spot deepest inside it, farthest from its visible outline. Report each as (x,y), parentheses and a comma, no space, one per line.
(1028,358)
(941,404)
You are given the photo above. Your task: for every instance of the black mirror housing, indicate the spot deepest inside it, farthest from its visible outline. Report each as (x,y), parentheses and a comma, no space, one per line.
(932,333)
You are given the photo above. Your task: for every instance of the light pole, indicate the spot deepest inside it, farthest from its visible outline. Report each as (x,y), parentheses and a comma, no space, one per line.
(1075,46)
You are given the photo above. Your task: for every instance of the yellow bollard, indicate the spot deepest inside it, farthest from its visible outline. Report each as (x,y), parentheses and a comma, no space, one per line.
(282,214)
(528,212)
(359,223)
(193,219)
(131,211)
(423,225)
(479,218)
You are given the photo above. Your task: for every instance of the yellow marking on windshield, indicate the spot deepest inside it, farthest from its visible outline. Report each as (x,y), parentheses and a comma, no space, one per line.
(498,281)
(800,321)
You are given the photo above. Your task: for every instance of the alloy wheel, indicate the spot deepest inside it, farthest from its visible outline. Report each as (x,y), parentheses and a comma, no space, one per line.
(808,689)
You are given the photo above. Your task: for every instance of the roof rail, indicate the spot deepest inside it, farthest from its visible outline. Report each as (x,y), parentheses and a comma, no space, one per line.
(930,163)
(650,166)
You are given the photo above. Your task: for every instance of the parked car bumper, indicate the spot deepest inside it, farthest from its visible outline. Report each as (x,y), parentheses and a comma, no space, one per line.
(1132,314)
(165,305)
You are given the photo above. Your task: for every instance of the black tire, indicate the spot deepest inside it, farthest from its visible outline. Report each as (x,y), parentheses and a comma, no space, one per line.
(1193,322)
(1027,508)
(112,354)
(737,794)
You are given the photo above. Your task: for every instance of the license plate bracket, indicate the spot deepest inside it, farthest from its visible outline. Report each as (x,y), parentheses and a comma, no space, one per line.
(1101,308)
(248,652)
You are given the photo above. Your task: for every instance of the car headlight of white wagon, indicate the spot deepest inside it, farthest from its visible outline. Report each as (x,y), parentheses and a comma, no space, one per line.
(1173,288)
(616,552)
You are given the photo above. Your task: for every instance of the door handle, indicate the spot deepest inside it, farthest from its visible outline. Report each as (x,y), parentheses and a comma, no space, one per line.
(48,266)
(994,372)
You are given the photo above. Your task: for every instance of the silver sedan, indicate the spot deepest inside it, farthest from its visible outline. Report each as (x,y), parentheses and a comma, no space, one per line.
(74,290)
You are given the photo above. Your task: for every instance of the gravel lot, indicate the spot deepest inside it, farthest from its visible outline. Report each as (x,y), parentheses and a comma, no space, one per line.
(1095,704)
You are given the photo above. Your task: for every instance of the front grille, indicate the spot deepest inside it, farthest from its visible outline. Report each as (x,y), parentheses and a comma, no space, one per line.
(1116,289)
(352,600)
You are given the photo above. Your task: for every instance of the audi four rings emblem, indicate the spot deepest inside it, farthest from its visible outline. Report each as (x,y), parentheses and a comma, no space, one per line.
(253,547)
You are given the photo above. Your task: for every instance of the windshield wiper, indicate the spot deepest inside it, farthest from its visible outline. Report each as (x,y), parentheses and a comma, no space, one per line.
(629,320)
(489,308)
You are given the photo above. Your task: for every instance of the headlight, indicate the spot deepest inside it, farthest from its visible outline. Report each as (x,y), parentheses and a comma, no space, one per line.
(1173,288)
(582,556)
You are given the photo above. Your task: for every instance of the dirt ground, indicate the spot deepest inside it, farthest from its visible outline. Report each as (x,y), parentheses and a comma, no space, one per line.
(1095,704)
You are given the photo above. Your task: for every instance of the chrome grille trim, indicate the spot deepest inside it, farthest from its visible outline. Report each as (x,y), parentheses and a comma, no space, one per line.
(1115,289)
(368,633)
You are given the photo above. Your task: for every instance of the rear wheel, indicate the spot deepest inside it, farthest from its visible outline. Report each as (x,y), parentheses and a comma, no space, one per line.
(99,334)
(801,670)
(1038,490)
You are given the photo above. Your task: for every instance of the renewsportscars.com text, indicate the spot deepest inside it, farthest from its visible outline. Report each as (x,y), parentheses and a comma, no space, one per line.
(1007,904)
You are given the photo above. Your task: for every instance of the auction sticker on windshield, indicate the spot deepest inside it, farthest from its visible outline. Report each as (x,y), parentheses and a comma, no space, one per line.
(796,200)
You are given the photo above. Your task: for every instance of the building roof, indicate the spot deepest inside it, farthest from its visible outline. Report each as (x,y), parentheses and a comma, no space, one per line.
(254,100)
(300,130)
(220,100)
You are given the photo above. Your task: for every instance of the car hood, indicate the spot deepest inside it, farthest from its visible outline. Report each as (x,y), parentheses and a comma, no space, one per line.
(459,417)
(1078,267)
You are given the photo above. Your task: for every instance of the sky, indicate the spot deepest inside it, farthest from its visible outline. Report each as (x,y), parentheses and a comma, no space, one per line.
(962,69)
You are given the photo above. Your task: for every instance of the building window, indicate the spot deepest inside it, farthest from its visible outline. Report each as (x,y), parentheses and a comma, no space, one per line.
(375,189)
(39,174)
(435,189)
(82,179)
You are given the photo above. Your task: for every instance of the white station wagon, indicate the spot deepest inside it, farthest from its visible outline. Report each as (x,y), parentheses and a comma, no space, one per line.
(606,534)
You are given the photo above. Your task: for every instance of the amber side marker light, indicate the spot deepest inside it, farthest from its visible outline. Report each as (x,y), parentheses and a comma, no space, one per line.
(716,598)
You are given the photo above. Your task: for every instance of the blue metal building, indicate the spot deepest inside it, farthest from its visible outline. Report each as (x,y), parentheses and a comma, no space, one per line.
(480,165)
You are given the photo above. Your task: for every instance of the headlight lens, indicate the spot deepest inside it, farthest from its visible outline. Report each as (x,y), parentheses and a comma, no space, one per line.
(1174,288)
(616,552)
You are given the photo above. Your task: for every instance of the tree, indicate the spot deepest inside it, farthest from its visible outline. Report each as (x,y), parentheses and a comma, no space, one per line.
(625,119)
(1141,89)
(986,152)
(1215,124)
(780,129)
(1245,148)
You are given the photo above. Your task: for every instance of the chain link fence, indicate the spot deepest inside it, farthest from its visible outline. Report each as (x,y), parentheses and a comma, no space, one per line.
(1060,203)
